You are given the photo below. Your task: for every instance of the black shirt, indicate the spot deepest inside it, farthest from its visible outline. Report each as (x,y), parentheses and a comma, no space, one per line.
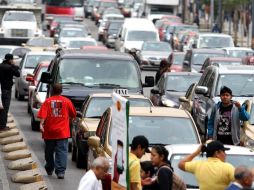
(164,178)
(7,72)
(224,133)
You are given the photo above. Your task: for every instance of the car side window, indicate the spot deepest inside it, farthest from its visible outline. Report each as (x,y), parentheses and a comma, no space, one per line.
(101,124)
(188,92)
(205,77)
(84,107)
(20,52)
(210,83)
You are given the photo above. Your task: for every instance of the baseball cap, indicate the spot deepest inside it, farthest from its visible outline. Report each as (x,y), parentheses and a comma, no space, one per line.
(8,57)
(214,146)
(142,141)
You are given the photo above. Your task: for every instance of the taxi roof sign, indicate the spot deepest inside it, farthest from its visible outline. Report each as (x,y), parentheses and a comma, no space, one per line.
(121,91)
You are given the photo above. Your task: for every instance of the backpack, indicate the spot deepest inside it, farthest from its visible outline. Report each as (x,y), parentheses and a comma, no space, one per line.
(177,182)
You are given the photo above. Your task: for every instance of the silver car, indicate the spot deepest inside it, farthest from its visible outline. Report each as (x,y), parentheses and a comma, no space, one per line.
(27,66)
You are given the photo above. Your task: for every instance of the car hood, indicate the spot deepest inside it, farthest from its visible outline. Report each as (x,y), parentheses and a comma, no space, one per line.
(19,25)
(174,96)
(133,44)
(159,54)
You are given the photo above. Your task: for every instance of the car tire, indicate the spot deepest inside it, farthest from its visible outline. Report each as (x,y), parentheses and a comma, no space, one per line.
(20,97)
(81,160)
(74,153)
(35,124)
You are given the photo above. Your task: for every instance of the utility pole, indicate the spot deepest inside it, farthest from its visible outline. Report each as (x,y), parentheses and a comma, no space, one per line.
(252,23)
(212,13)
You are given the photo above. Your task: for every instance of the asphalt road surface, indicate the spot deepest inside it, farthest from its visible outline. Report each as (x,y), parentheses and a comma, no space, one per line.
(36,144)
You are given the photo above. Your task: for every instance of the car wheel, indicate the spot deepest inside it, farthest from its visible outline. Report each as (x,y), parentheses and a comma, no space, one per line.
(35,124)
(74,153)
(81,160)
(20,97)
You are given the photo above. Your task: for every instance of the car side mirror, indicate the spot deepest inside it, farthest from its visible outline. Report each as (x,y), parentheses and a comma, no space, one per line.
(183,99)
(94,141)
(201,90)
(149,81)
(186,63)
(79,114)
(155,91)
(46,78)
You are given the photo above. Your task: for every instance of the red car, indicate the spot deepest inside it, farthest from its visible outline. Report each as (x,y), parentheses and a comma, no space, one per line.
(34,79)
(176,61)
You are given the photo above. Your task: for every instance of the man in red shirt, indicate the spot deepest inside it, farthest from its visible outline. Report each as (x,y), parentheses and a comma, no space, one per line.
(55,114)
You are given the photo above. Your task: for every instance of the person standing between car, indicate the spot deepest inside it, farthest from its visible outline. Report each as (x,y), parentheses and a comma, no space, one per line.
(139,147)
(224,123)
(55,114)
(92,179)
(164,67)
(243,179)
(7,71)
(213,173)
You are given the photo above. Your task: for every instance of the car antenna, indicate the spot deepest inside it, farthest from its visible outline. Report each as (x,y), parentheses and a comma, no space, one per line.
(151,109)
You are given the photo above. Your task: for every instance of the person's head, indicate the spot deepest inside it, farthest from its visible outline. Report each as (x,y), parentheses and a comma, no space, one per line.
(163,63)
(8,58)
(147,169)
(58,50)
(225,95)
(215,149)
(139,146)
(243,176)
(57,89)
(100,167)
(159,155)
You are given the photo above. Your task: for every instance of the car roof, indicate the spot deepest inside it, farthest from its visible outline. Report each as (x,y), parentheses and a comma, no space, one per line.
(109,95)
(234,69)
(202,50)
(158,111)
(40,53)
(224,59)
(181,74)
(214,34)
(237,48)
(26,12)
(79,53)
(83,39)
(190,148)
(178,53)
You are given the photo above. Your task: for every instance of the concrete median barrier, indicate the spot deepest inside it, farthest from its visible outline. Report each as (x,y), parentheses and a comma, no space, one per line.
(19,154)
(14,147)
(9,133)
(11,125)
(22,164)
(28,176)
(41,185)
(11,139)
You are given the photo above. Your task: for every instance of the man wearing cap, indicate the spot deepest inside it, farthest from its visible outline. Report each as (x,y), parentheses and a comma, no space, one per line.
(7,71)
(224,122)
(139,147)
(213,173)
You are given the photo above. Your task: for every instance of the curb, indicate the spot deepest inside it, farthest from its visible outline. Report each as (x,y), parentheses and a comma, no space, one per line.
(21,159)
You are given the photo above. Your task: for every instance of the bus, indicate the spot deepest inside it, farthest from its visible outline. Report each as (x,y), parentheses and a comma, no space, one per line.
(73,8)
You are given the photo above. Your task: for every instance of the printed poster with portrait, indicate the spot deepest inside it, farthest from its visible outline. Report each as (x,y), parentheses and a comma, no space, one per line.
(120,144)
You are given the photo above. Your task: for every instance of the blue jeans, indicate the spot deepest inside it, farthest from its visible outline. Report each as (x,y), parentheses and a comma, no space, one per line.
(56,152)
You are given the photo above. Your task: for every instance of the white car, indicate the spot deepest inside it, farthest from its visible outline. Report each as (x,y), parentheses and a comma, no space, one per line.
(17,51)
(239,52)
(77,43)
(39,96)
(236,156)
(19,25)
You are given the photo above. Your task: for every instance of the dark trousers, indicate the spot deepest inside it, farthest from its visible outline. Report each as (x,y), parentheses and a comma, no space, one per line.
(6,100)
(56,152)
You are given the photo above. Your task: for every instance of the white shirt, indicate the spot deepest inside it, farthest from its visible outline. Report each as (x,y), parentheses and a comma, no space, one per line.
(89,182)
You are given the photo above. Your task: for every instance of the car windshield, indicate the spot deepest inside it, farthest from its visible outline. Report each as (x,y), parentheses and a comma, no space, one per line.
(142,36)
(215,42)
(4,51)
(199,58)
(190,180)
(97,106)
(43,87)
(43,69)
(73,33)
(79,44)
(226,63)
(96,72)
(41,42)
(19,16)
(159,46)
(65,3)
(33,60)
(243,84)
(178,59)
(168,130)
(183,82)
(240,53)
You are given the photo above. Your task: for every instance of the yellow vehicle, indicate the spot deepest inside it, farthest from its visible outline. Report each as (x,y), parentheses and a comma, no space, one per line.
(40,43)
(247,131)
(88,118)
(161,125)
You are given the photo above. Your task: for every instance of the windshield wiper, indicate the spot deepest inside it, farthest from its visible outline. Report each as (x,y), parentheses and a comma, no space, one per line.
(172,90)
(95,117)
(192,186)
(75,83)
(107,85)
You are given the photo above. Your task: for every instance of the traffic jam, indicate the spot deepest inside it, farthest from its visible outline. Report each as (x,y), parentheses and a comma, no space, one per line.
(185,86)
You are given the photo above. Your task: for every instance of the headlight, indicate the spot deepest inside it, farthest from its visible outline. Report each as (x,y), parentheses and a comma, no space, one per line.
(168,103)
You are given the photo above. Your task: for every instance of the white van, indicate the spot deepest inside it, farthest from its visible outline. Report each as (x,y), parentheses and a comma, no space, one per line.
(134,32)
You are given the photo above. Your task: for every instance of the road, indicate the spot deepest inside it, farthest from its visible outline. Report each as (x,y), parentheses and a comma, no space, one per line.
(36,144)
